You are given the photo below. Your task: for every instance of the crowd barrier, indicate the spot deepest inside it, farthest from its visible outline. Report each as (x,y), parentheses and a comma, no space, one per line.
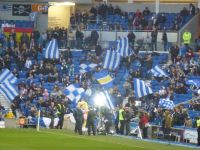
(178,134)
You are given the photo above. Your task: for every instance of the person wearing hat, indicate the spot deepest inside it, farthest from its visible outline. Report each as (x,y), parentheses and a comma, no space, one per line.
(198,131)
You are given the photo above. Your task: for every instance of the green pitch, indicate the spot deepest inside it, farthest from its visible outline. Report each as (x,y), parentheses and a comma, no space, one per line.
(30,139)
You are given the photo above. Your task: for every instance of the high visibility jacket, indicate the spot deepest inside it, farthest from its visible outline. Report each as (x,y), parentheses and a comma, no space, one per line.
(198,123)
(187,37)
(60,109)
(121,116)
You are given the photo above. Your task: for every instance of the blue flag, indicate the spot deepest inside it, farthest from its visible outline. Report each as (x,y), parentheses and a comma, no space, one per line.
(52,51)
(112,60)
(166,103)
(141,89)
(104,78)
(123,47)
(158,72)
(9,90)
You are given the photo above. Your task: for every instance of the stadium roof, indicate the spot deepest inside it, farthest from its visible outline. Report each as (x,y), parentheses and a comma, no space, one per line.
(46,1)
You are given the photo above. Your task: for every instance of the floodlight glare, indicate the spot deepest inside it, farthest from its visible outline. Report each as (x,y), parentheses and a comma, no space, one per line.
(62,3)
(100,99)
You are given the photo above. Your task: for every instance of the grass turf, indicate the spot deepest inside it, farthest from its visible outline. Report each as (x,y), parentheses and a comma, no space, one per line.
(30,139)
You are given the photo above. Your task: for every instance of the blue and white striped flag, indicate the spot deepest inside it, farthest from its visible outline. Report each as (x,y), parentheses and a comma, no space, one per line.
(112,60)
(141,89)
(7,75)
(166,103)
(87,67)
(9,90)
(74,92)
(52,51)
(123,47)
(158,72)
(194,82)
(108,102)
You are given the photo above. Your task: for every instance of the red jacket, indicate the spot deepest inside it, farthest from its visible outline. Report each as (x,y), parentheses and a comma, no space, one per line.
(144,120)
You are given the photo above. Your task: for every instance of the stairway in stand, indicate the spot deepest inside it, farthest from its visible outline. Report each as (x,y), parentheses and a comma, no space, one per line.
(4,102)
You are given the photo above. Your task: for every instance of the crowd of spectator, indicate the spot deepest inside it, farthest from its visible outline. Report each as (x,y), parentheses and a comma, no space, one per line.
(101,15)
(22,58)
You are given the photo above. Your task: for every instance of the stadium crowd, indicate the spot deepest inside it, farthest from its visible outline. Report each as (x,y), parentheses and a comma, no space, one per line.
(24,59)
(102,15)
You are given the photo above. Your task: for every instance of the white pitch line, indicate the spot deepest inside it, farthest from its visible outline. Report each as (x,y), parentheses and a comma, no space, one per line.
(82,137)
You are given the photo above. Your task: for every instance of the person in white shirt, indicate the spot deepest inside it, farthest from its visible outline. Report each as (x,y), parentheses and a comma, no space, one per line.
(28,63)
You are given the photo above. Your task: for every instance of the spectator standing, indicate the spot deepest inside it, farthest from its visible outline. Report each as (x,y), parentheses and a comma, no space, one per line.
(2,109)
(79,39)
(24,38)
(71,39)
(98,50)
(197,44)
(198,130)
(61,112)
(127,119)
(117,11)
(90,121)
(93,11)
(131,38)
(146,11)
(154,35)
(192,9)
(121,119)
(28,63)
(73,21)
(78,116)
(174,51)
(165,40)
(187,36)
(167,123)
(144,124)
(52,114)
(94,37)
(110,10)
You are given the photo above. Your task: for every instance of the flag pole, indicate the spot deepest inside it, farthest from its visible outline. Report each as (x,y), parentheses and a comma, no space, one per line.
(109,100)
(38,121)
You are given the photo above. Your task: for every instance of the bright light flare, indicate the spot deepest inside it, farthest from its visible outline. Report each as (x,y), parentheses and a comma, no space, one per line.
(62,3)
(100,99)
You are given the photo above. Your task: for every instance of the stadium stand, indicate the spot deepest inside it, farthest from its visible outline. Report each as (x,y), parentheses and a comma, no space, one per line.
(44,70)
